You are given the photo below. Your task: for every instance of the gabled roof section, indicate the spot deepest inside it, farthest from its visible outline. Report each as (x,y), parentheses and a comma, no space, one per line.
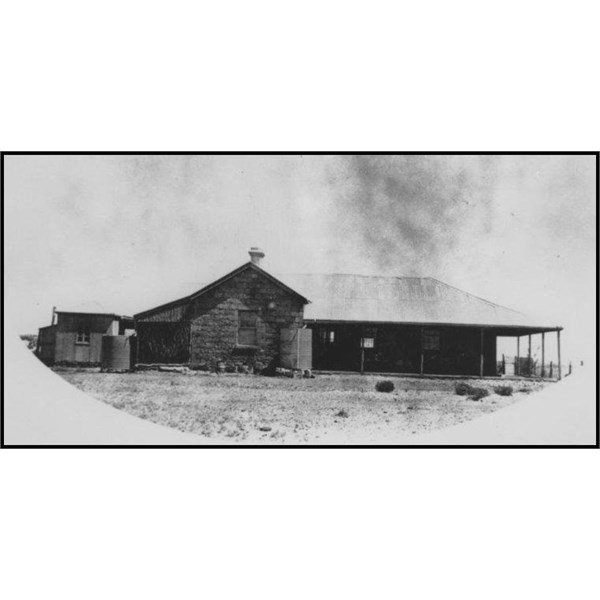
(219,282)
(422,300)
(241,269)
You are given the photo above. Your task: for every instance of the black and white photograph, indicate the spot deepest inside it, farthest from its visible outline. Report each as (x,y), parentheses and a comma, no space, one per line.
(300,300)
(303,299)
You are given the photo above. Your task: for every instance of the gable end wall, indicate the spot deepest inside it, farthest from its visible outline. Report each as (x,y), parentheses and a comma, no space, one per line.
(214,321)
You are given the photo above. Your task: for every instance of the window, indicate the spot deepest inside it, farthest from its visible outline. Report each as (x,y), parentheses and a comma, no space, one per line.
(247,334)
(327,336)
(83,336)
(431,339)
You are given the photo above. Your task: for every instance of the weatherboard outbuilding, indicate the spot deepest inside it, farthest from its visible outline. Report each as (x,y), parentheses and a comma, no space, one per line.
(75,338)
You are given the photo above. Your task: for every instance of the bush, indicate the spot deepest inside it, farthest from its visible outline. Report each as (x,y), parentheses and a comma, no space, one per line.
(474,393)
(343,414)
(464,389)
(31,340)
(258,366)
(478,394)
(384,386)
(503,390)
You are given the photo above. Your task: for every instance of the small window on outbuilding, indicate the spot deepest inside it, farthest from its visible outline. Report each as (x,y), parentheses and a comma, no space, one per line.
(83,336)
(247,328)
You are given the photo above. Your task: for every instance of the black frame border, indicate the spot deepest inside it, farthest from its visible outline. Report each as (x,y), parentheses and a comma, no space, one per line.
(300,153)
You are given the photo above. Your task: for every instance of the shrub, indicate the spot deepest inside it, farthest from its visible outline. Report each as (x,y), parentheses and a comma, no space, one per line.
(478,394)
(342,414)
(503,390)
(464,389)
(384,386)
(31,340)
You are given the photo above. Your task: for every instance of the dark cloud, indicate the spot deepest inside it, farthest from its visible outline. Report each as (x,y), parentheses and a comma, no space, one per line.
(410,211)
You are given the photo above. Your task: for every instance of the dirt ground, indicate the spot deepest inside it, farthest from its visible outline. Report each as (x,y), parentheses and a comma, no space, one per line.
(330,409)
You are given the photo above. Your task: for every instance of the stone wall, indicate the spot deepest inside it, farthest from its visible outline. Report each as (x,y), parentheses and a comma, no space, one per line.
(214,322)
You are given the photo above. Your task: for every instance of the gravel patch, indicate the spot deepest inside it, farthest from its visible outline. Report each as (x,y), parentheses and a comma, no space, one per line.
(246,409)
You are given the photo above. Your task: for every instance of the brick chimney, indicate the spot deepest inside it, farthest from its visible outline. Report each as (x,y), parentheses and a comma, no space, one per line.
(256,255)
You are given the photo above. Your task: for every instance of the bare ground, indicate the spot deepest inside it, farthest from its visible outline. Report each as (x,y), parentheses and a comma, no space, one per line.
(238,409)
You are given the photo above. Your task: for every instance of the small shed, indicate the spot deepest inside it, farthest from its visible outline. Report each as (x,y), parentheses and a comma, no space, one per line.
(75,338)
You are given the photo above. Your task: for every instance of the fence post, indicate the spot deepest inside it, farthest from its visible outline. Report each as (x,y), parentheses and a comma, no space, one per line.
(559,362)
(481,356)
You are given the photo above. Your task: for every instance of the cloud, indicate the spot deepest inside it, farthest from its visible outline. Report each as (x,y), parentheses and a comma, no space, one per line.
(411,211)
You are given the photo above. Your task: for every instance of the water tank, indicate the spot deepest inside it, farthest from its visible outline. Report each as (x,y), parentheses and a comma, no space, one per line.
(296,349)
(116,353)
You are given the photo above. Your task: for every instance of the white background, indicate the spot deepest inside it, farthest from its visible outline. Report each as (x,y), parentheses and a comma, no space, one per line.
(288,523)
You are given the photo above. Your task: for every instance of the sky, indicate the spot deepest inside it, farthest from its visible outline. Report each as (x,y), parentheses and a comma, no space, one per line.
(125,233)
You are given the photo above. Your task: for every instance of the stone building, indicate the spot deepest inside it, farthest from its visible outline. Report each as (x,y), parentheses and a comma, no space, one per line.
(235,321)
(405,325)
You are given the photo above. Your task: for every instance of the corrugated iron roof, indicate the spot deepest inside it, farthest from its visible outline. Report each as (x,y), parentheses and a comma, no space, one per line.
(397,300)
(92,314)
(363,298)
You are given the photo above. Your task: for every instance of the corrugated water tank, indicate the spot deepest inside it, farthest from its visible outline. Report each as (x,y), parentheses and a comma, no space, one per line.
(296,349)
(116,353)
